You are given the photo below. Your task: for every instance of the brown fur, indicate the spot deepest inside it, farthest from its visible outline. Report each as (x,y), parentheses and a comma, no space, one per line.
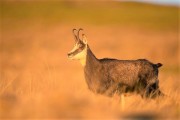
(110,76)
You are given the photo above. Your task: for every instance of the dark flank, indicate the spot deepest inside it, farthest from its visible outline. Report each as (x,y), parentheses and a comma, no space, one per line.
(110,76)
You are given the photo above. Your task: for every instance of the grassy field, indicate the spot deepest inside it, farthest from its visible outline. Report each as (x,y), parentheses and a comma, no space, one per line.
(38,81)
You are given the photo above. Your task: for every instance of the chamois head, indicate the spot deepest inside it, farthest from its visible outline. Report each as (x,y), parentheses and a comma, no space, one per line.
(79,50)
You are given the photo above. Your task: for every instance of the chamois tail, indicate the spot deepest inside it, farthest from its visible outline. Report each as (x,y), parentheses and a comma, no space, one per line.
(158,65)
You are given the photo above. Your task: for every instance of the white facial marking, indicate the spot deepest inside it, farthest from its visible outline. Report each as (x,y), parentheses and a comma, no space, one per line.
(79,56)
(82,55)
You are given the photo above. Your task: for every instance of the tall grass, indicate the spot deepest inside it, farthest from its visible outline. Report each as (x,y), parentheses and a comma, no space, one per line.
(38,81)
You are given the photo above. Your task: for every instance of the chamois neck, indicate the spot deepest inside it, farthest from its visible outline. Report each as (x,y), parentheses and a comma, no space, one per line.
(91,58)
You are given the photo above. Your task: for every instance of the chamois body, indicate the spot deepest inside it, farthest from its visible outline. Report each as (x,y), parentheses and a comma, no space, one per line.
(109,76)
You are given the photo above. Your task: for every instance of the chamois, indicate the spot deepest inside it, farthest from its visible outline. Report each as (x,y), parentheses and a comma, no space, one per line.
(112,76)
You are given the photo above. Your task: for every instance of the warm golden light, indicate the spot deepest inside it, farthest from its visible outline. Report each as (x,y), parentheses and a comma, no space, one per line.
(37,80)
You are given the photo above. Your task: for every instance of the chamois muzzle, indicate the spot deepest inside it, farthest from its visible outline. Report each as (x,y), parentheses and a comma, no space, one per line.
(70,55)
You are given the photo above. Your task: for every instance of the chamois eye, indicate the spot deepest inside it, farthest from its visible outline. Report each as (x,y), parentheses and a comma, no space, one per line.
(80,45)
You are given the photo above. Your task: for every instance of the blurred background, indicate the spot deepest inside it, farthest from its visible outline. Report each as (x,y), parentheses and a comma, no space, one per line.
(38,81)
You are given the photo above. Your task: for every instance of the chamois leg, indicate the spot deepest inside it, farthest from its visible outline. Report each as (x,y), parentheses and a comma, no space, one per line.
(155,91)
(146,93)
(152,90)
(122,102)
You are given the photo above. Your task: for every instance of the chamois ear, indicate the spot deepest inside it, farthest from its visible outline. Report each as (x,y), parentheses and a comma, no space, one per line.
(84,39)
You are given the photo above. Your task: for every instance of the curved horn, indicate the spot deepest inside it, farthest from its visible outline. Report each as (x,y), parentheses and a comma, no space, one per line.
(79,32)
(76,38)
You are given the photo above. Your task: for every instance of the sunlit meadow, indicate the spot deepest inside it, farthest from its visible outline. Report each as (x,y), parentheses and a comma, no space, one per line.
(38,81)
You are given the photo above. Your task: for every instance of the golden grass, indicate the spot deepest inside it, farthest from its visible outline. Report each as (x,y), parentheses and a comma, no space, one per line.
(38,81)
